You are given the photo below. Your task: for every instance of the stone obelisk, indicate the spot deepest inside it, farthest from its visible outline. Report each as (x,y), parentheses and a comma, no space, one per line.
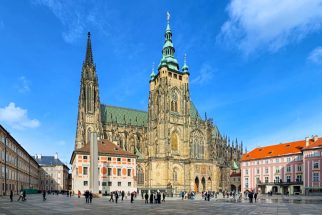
(93,182)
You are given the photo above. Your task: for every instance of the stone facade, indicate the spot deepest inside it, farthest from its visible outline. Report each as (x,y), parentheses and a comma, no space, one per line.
(177,150)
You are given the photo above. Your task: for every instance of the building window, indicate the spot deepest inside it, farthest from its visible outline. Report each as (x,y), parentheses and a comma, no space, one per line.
(109,158)
(129,160)
(277,160)
(129,184)
(246,182)
(316,176)
(288,178)
(277,179)
(174,142)
(257,162)
(257,180)
(175,175)
(299,168)
(128,172)
(119,184)
(104,183)
(266,170)
(288,159)
(246,171)
(140,175)
(109,171)
(288,169)
(277,170)
(85,183)
(118,159)
(266,179)
(315,165)
(85,170)
(85,157)
(118,172)
(266,161)
(109,183)
(299,178)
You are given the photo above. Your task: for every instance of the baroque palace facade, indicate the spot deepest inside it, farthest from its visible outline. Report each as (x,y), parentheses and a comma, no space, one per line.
(177,150)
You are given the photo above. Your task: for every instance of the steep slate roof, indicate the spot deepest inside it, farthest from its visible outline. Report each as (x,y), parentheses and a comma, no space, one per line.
(275,150)
(123,116)
(107,147)
(193,111)
(48,161)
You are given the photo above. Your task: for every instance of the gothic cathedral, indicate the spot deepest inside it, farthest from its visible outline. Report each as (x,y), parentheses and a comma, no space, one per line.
(177,150)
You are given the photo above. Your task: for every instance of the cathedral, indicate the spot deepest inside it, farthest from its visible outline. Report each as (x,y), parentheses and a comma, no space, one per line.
(177,150)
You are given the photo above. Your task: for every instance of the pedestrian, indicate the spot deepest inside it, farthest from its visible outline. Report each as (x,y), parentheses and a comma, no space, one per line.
(79,194)
(111,197)
(86,196)
(44,195)
(146,198)
(163,196)
(142,194)
(123,194)
(11,195)
(24,196)
(182,194)
(208,196)
(116,196)
(132,197)
(90,194)
(250,196)
(255,197)
(20,196)
(151,198)
(205,195)
(70,194)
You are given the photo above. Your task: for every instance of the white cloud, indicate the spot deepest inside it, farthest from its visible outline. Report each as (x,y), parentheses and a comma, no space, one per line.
(23,85)
(76,16)
(17,117)
(316,55)
(269,24)
(205,75)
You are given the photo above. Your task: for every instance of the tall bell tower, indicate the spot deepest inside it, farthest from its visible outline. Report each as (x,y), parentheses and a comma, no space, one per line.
(169,105)
(89,116)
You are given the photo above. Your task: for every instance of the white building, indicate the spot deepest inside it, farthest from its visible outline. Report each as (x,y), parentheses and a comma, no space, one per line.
(116,168)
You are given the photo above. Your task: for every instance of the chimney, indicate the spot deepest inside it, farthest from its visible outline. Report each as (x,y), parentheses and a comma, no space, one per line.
(315,138)
(39,156)
(56,155)
(307,141)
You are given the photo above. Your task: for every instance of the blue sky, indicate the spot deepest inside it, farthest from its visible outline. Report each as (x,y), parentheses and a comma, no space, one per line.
(255,65)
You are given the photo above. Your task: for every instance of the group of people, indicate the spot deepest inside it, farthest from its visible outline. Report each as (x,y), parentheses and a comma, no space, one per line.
(154,197)
(88,196)
(22,195)
(117,194)
(252,196)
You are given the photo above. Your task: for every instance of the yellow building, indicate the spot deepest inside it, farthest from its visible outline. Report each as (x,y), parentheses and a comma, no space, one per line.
(177,150)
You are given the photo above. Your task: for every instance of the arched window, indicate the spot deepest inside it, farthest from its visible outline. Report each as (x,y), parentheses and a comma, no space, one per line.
(175,175)
(174,142)
(140,175)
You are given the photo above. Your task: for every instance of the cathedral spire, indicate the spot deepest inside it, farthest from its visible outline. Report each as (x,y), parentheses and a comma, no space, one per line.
(89,53)
(185,68)
(168,50)
(152,73)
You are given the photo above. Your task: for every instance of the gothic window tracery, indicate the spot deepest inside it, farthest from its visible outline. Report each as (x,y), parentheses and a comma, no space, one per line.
(140,175)
(174,142)
(197,145)
(174,102)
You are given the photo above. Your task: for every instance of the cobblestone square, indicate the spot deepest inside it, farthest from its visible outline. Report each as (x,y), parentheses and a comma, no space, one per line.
(65,205)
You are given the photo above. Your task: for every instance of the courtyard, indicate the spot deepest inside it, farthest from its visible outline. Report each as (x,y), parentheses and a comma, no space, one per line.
(64,205)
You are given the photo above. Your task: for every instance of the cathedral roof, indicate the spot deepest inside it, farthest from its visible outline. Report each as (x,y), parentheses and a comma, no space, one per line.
(107,147)
(122,116)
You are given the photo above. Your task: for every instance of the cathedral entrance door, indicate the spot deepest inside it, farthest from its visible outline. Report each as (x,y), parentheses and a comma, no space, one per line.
(203,182)
(196,185)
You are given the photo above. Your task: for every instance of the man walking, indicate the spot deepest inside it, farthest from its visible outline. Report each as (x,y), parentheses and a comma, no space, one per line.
(146,198)
(123,194)
(11,195)
(132,197)
(116,196)
(44,195)
(255,196)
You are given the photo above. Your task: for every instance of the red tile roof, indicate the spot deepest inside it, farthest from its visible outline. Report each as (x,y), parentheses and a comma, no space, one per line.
(107,147)
(275,150)
(235,174)
(314,144)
